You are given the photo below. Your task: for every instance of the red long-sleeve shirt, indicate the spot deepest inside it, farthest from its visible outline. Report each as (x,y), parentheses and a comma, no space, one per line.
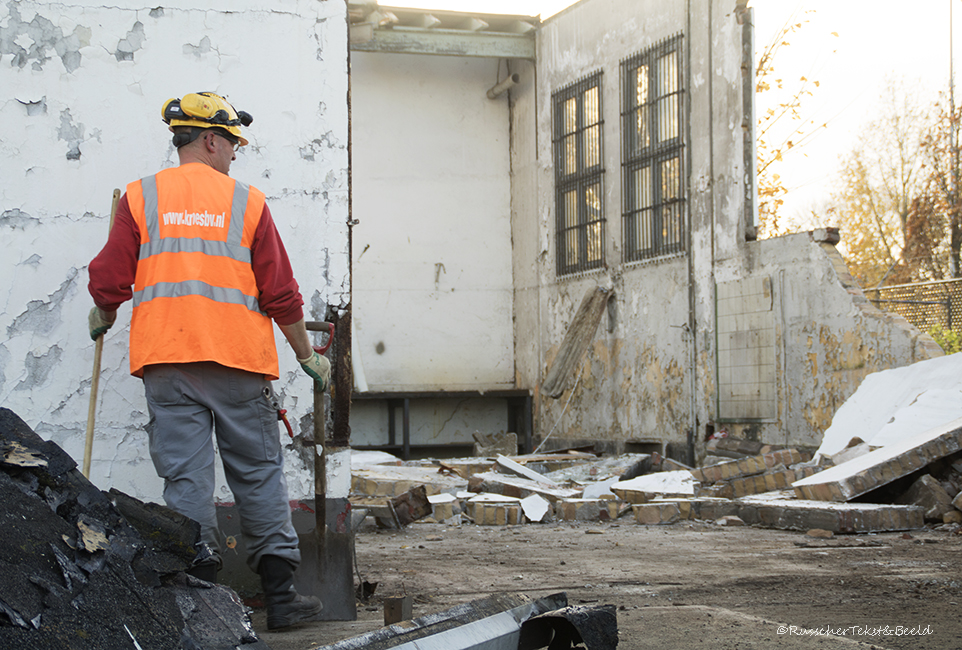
(112,272)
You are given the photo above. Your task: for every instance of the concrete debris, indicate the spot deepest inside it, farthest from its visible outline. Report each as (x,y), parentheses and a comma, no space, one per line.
(518,487)
(495,510)
(749,466)
(878,468)
(397,609)
(388,481)
(499,622)
(444,508)
(928,494)
(589,509)
(592,470)
(535,508)
(495,444)
(729,447)
(410,506)
(784,512)
(505,464)
(729,520)
(643,488)
(793,489)
(664,464)
(78,570)
(361,459)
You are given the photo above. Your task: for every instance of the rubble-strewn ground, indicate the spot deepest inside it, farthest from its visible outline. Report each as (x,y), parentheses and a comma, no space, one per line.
(687,585)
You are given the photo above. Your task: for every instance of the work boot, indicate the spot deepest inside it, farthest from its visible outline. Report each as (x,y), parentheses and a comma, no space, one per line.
(285,607)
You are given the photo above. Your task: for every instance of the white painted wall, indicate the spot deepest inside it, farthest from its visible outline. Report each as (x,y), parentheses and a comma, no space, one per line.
(81,89)
(432,251)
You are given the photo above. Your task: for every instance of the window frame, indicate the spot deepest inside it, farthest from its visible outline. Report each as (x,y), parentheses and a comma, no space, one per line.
(654,218)
(580,238)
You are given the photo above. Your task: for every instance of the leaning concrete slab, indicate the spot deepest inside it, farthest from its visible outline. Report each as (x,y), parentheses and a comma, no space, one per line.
(514,486)
(863,474)
(394,481)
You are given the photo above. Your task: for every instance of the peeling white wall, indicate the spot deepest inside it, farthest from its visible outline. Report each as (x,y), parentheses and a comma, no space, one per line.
(81,90)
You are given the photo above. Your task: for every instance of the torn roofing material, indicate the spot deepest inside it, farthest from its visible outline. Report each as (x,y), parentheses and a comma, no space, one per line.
(498,622)
(77,573)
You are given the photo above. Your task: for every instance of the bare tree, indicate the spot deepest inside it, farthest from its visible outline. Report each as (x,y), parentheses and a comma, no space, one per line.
(878,182)
(781,127)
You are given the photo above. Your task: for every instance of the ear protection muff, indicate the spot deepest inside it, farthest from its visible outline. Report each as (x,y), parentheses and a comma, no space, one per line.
(197,106)
(205,110)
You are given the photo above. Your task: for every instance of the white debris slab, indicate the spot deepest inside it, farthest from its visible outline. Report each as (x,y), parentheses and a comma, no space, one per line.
(643,488)
(599,489)
(360,459)
(898,403)
(535,507)
(522,471)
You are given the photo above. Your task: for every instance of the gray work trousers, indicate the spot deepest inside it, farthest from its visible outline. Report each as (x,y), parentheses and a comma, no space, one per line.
(187,402)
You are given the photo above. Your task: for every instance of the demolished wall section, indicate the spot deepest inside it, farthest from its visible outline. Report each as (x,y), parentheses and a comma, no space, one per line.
(82,88)
(829,337)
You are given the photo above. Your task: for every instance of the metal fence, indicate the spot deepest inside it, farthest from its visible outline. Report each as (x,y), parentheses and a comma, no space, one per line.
(924,304)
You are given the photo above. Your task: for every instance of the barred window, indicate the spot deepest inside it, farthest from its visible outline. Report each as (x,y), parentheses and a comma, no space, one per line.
(653,145)
(579,174)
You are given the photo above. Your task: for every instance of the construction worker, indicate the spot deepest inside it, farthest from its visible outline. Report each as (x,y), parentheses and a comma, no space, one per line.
(209,274)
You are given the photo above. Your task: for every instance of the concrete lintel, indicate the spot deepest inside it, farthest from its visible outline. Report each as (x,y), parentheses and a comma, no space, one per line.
(443,42)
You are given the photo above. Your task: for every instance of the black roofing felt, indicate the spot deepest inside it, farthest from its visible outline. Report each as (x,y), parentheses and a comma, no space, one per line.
(86,569)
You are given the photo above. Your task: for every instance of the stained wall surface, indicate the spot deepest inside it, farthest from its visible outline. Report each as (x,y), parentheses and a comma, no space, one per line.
(762,338)
(81,90)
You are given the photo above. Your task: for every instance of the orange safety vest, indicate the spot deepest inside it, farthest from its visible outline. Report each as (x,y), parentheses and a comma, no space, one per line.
(195,296)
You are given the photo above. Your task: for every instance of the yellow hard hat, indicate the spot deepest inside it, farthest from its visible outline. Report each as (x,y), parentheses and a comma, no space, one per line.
(206,110)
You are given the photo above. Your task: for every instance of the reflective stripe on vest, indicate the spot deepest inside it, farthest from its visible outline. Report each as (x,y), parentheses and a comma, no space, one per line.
(196,288)
(232,249)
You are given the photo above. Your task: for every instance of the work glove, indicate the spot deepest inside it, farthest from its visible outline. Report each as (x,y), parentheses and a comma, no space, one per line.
(98,324)
(319,368)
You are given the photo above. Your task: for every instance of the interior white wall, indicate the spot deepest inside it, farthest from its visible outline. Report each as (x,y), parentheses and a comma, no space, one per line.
(81,90)
(432,251)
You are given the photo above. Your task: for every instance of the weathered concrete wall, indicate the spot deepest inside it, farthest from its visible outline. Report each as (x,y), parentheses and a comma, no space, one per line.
(81,88)
(635,384)
(829,337)
(652,370)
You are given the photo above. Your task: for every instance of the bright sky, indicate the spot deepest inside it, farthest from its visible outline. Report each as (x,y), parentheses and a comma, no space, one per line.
(877,40)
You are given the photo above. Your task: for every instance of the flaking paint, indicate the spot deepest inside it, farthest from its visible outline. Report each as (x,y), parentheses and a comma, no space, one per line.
(81,87)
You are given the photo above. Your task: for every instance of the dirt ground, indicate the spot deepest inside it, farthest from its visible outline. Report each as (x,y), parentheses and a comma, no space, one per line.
(692,585)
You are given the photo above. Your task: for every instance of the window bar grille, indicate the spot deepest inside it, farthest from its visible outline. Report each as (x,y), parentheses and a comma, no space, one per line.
(579,170)
(652,142)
